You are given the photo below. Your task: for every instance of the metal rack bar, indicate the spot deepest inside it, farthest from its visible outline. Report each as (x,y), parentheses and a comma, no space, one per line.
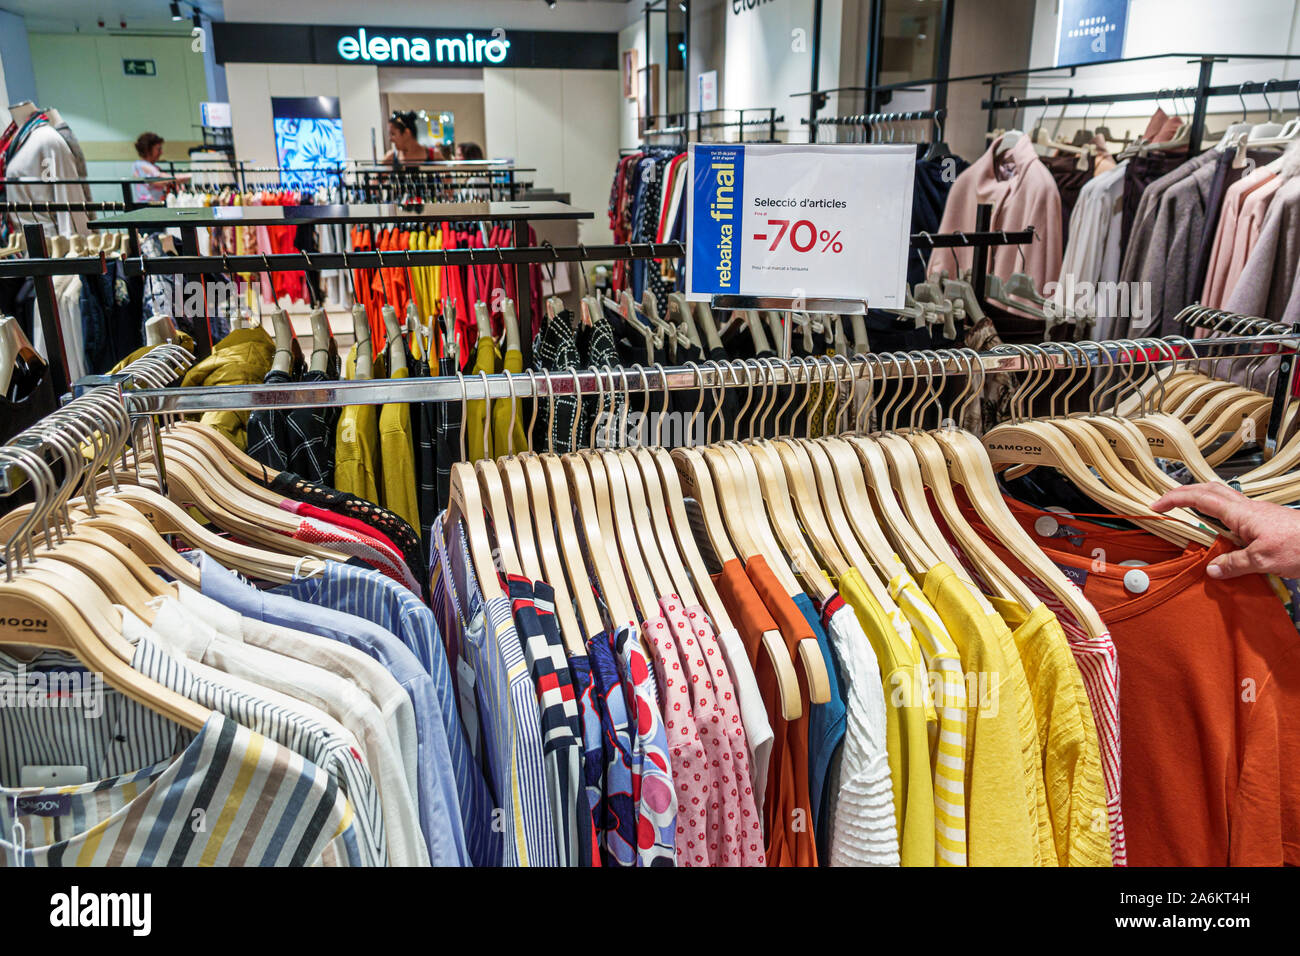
(588,382)
(517,255)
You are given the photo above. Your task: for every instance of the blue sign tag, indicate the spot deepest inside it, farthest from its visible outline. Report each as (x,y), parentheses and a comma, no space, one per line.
(717,200)
(1090,31)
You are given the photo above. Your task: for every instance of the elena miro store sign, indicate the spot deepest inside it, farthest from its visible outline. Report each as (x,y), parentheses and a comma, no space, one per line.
(413,47)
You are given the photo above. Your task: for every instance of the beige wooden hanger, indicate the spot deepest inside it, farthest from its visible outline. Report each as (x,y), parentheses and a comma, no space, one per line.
(616,527)
(1038,442)
(77,618)
(571,472)
(969,465)
(906,540)
(664,489)
(858,505)
(933,465)
(1096,451)
(466,505)
(536,506)
(646,495)
(695,479)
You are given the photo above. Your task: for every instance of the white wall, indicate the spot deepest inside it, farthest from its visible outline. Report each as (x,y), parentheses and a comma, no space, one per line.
(1185,26)
(565,124)
(631,37)
(767,60)
(252,85)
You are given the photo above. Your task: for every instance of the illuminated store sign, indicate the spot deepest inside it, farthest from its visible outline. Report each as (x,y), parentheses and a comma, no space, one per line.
(417,49)
(464,48)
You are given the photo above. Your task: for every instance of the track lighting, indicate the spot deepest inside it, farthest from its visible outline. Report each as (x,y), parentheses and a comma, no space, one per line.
(196,18)
(550,4)
(176,10)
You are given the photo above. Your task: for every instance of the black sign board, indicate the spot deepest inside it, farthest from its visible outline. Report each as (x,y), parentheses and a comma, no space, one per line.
(413,47)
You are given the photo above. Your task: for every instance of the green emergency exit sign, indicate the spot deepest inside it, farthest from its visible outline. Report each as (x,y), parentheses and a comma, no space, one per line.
(138,67)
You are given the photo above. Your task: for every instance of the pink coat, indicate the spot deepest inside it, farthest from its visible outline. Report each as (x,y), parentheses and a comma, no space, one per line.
(1023,193)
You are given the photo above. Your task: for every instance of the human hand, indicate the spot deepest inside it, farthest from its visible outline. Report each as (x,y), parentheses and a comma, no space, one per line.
(1270,534)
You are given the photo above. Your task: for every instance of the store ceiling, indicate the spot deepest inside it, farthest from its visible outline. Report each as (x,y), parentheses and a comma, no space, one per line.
(73,16)
(83,16)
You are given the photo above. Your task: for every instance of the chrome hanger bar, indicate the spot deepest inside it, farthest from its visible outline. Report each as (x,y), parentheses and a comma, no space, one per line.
(449,388)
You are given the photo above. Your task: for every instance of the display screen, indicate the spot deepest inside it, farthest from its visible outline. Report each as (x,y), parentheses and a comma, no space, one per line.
(308,139)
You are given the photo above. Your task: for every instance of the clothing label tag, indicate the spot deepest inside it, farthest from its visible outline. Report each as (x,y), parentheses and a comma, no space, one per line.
(468,706)
(52,775)
(1077,575)
(59,805)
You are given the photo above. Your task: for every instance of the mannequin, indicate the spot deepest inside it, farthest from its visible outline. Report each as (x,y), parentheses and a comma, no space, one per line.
(78,157)
(284,341)
(160,329)
(43,156)
(361,331)
(394,343)
(321,340)
(511,322)
(12,344)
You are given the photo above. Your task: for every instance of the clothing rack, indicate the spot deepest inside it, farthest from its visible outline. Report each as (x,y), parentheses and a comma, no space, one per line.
(148,402)
(518,214)
(997,79)
(769,118)
(1198,93)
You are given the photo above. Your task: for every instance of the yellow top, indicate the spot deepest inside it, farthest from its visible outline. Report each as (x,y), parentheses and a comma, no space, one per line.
(487,358)
(947,686)
(907,738)
(1072,771)
(1005,797)
(502,442)
(397,453)
(242,358)
(356,441)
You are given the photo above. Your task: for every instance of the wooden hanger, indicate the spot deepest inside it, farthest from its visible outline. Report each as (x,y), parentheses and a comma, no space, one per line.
(77,618)
(693,474)
(466,505)
(552,516)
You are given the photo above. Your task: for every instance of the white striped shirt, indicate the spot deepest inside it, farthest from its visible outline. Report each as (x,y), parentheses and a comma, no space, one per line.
(195,643)
(231,798)
(299,734)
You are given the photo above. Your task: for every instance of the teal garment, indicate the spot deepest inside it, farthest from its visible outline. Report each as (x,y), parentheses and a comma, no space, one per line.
(827,724)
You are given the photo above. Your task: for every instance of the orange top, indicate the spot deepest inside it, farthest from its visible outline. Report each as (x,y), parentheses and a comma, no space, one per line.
(1209,683)
(757,604)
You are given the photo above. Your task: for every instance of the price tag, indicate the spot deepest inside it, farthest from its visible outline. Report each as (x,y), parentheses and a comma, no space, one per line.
(799,222)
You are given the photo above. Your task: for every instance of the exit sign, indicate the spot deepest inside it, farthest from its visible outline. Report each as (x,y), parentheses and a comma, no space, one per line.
(138,67)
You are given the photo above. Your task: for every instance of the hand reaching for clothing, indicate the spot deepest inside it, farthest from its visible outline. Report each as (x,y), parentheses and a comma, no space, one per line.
(1270,534)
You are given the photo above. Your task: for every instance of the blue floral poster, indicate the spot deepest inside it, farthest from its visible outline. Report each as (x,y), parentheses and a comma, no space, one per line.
(308,139)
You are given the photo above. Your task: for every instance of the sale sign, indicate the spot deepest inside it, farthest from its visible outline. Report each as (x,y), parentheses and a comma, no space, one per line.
(798,222)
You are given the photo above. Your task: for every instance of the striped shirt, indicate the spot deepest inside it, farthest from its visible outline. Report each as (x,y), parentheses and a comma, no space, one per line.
(561,735)
(508,713)
(948,748)
(371,596)
(231,798)
(299,734)
(258,673)
(440,814)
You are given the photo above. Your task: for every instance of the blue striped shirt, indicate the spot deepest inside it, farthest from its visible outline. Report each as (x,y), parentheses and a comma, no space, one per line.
(371,595)
(439,806)
(509,714)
